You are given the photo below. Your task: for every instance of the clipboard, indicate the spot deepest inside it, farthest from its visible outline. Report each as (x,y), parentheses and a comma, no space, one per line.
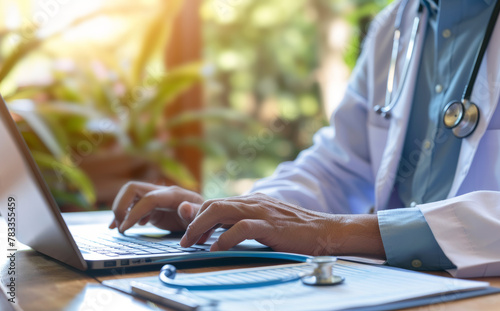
(394,289)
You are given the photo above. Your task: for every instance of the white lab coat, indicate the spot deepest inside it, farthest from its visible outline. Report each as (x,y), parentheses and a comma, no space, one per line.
(352,165)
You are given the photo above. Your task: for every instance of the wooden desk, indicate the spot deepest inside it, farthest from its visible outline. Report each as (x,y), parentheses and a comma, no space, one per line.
(45,284)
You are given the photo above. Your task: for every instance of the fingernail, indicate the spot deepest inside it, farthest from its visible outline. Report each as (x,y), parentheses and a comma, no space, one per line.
(183,241)
(189,214)
(122,228)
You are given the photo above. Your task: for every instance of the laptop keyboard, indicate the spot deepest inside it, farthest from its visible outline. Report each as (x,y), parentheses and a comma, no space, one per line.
(114,246)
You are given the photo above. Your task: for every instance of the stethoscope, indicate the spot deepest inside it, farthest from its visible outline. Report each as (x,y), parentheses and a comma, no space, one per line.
(462,117)
(321,275)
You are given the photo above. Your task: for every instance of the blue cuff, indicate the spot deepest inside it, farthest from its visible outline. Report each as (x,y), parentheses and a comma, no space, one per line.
(409,242)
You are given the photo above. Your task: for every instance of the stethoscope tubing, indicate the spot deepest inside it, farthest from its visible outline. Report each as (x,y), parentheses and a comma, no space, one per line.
(249,284)
(468,119)
(321,275)
(167,276)
(390,102)
(480,54)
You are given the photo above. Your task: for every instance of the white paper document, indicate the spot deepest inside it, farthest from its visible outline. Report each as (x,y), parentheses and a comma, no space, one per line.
(364,285)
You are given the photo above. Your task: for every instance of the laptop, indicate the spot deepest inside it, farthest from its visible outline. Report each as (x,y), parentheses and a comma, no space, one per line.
(24,194)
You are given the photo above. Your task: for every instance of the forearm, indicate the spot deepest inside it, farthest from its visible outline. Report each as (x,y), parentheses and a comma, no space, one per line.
(355,235)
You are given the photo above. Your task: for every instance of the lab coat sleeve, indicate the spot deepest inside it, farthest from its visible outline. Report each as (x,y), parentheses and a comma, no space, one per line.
(409,242)
(467,228)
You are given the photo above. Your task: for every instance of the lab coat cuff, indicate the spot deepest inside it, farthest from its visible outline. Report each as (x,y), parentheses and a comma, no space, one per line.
(408,241)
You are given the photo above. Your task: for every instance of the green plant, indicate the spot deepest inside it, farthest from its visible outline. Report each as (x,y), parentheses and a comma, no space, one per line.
(100,105)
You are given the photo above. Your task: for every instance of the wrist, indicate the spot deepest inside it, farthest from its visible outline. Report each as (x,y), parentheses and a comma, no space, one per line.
(354,235)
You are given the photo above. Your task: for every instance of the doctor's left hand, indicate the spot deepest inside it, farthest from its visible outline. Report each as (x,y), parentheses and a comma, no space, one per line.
(282,226)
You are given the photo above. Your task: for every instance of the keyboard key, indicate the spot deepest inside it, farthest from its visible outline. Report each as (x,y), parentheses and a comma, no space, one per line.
(165,248)
(173,250)
(123,252)
(156,251)
(124,245)
(201,247)
(169,243)
(141,253)
(188,249)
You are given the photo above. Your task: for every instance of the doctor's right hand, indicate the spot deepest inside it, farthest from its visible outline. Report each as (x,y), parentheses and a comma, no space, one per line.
(170,208)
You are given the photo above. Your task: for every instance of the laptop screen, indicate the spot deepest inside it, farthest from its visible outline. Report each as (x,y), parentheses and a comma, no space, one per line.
(35,216)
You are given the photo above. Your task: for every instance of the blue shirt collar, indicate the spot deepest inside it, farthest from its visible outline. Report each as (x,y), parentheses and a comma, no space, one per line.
(430,4)
(433,8)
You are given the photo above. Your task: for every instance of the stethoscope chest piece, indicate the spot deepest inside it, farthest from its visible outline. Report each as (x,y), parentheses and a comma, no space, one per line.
(322,274)
(461,117)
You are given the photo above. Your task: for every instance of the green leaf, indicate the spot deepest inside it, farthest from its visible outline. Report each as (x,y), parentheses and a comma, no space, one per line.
(73,199)
(19,53)
(27,110)
(156,36)
(68,108)
(69,172)
(25,92)
(176,82)
(208,115)
(27,46)
(208,147)
(178,173)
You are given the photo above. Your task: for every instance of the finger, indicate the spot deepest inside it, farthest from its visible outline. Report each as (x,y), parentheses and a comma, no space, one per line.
(144,220)
(207,235)
(219,212)
(166,199)
(205,205)
(141,209)
(239,232)
(126,197)
(112,225)
(253,198)
(187,211)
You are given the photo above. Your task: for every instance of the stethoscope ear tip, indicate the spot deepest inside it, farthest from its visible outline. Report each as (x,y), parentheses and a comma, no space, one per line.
(381,111)
(169,271)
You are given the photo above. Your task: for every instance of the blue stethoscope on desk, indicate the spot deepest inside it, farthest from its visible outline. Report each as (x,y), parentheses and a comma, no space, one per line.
(462,116)
(321,275)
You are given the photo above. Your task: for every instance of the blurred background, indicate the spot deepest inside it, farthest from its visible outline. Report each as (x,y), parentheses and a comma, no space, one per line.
(206,94)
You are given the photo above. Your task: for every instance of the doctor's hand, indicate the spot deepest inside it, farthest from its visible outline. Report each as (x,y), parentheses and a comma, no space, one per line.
(284,227)
(170,208)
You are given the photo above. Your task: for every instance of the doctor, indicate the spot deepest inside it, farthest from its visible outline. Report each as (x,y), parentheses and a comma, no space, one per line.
(389,178)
